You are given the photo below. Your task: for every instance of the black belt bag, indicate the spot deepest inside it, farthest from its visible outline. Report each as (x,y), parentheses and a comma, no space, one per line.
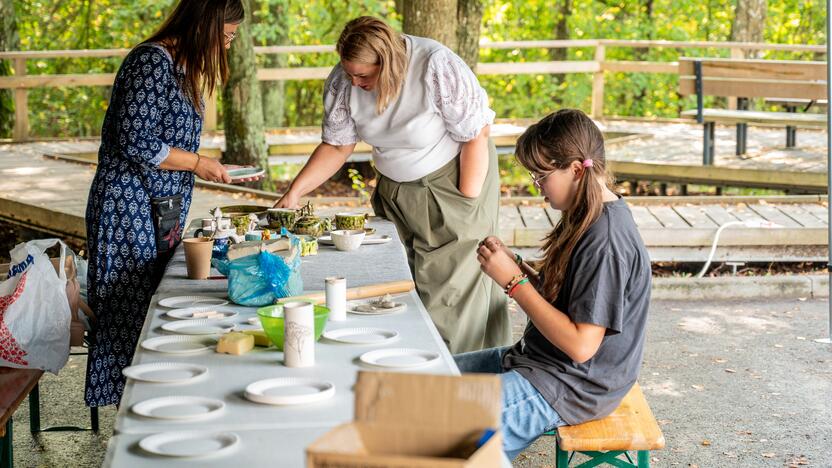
(166,213)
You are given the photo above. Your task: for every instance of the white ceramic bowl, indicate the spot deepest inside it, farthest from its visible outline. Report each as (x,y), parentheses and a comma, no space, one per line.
(347,240)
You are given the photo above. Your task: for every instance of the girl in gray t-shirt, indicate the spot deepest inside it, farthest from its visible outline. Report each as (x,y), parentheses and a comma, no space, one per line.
(587,306)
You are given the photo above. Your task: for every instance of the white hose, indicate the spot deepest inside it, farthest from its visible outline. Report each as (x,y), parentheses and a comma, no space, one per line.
(748,224)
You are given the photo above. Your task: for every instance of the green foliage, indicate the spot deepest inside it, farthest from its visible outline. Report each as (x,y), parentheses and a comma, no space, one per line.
(81,24)
(358,184)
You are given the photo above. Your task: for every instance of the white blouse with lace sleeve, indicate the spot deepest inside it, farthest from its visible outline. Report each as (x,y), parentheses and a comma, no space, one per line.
(458,96)
(338,127)
(440,106)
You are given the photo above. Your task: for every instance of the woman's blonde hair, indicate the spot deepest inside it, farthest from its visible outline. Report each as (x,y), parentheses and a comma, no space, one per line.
(555,143)
(371,41)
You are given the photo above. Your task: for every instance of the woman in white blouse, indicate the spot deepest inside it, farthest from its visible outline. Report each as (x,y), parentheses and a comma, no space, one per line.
(427,119)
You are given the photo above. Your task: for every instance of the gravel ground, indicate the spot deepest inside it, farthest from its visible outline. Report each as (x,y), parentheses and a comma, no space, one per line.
(736,384)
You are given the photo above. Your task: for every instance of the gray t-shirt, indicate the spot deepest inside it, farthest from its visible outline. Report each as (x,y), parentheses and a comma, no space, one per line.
(607,283)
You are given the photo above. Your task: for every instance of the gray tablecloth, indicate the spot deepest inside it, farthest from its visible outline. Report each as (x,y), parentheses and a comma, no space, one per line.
(273,435)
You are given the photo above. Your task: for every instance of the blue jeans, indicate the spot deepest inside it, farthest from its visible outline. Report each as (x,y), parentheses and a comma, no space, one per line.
(526,414)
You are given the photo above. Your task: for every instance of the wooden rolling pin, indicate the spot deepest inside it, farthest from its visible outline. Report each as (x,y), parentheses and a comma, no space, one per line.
(361,292)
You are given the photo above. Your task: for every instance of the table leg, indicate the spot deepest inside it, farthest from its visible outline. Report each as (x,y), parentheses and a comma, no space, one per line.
(6,453)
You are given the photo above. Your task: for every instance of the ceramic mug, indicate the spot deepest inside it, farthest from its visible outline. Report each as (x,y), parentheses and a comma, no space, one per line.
(224,224)
(254,235)
(222,240)
(204,232)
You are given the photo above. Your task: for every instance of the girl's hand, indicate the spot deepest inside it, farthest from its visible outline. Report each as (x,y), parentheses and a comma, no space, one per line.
(494,243)
(496,262)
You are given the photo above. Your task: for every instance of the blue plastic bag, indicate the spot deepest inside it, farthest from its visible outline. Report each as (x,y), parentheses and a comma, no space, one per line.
(259,280)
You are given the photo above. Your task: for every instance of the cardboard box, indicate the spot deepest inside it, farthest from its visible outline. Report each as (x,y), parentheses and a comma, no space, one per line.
(416,420)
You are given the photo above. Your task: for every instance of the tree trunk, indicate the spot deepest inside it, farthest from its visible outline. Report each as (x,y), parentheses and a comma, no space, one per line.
(274,92)
(749,23)
(561,33)
(435,19)
(245,142)
(561,30)
(9,40)
(469,23)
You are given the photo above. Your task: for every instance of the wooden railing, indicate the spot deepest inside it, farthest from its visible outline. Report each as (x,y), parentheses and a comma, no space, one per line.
(20,82)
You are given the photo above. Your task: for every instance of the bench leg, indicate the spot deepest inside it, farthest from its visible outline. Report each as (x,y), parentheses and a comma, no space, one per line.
(643,459)
(708,144)
(34,410)
(94,419)
(742,129)
(6,453)
(34,417)
(791,137)
(742,138)
(603,458)
(791,132)
(561,457)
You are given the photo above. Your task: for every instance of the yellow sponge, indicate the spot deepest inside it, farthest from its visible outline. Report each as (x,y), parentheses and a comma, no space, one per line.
(235,343)
(260,338)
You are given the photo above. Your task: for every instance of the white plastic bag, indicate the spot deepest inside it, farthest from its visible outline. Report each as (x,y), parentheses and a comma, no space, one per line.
(34,312)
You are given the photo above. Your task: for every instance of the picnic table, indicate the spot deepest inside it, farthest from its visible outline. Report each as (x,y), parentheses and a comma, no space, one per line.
(15,385)
(274,434)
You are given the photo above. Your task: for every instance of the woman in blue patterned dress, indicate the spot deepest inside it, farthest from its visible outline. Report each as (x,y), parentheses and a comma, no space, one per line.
(141,192)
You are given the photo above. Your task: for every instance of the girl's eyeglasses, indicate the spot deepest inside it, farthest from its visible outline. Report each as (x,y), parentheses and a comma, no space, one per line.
(229,36)
(538,181)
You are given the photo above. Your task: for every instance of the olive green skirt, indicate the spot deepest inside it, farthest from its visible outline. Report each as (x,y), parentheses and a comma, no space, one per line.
(440,229)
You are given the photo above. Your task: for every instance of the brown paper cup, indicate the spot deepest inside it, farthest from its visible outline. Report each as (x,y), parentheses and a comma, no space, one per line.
(198,257)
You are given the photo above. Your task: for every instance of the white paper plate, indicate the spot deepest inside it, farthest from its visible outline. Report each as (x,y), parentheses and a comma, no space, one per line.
(289,391)
(182,302)
(190,444)
(368,240)
(255,321)
(179,408)
(400,306)
(188,313)
(199,327)
(244,173)
(165,372)
(399,358)
(361,336)
(179,344)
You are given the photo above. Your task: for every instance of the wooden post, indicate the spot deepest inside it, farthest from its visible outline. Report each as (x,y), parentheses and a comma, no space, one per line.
(736,54)
(210,121)
(21,104)
(598,84)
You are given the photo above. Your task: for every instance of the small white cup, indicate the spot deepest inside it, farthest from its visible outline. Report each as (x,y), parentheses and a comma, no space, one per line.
(347,240)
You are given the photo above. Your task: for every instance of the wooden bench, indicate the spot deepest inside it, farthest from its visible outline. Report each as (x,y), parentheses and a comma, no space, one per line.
(631,427)
(15,385)
(745,79)
(792,105)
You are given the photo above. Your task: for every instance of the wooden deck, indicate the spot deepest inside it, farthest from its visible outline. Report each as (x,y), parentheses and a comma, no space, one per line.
(692,222)
(51,194)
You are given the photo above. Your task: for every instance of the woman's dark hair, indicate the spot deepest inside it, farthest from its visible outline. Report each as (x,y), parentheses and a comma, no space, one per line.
(195,29)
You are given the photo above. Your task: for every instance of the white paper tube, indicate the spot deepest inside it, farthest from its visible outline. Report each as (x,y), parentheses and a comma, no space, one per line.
(299,334)
(336,298)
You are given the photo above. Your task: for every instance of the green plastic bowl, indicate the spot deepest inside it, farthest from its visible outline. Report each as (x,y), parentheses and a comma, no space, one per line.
(272,319)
